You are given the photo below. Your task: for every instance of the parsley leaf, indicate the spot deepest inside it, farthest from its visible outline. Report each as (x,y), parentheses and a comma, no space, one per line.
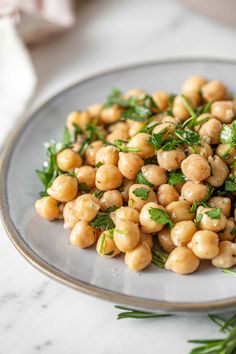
(175,177)
(141,193)
(115,97)
(158,259)
(214,213)
(140,179)
(156,139)
(188,136)
(228,135)
(160,217)
(199,218)
(230,186)
(193,208)
(102,221)
(84,187)
(121,145)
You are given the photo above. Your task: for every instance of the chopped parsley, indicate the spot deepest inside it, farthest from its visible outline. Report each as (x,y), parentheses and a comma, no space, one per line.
(102,221)
(140,179)
(121,145)
(160,216)
(214,213)
(141,193)
(175,177)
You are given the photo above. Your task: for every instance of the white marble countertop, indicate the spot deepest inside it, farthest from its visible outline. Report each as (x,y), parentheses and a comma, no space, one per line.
(36,313)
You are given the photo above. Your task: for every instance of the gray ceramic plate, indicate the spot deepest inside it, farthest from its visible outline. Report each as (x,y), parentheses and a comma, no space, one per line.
(45,244)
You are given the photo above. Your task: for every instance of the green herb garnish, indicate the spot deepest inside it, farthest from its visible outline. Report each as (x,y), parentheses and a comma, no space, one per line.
(160,217)
(158,259)
(132,313)
(141,193)
(121,145)
(84,187)
(175,177)
(112,208)
(140,179)
(102,221)
(193,208)
(214,213)
(230,186)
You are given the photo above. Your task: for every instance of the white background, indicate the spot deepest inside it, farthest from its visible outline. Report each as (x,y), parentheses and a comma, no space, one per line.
(36,313)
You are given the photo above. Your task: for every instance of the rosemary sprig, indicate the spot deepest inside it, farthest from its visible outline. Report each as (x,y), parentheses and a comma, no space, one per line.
(132,313)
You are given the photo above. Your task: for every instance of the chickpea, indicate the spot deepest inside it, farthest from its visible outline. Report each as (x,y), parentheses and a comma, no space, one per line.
(214,91)
(94,110)
(138,93)
(192,191)
(179,186)
(165,241)
(161,99)
(147,223)
(83,235)
(227,255)
(123,126)
(219,171)
(146,238)
(91,151)
(204,150)
(194,97)
(108,177)
(111,114)
(208,223)
(180,211)
(168,126)
(193,83)
(223,203)
(202,119)
(140,141)
(125,213)
(86,207)
(70,218)
(179,109)
(228,233)
(211,129)
(182,261)
(108,248)
(127,183)
(182,232)
(78,118)
(154,174)
(137,202)
(47,207)
(169,119)
(86,174)
(111,198)
(196,168)
(117,135)
(205,244)
(170,160)
(139,258)
(126,235)
(129,164)
(68,159)
(223,110)
(64,188)
(107,155)
(167,194)
(226,153)
(135,128)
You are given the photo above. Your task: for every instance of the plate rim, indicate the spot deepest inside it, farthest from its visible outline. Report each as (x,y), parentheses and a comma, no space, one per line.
(60,276)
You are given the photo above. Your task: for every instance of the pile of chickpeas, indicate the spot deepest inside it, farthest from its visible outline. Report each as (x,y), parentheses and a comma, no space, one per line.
(110,177)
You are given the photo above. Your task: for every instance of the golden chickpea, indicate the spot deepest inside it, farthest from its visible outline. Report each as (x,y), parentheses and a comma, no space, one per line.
(192,191)
(117,135)
(95,110)
(68,159)
(227,255)
(179,109)
(83,235)
(180,211)
(226,154)
(129,164)
(182,261)
(125,213)
(78,118)
(147,239)
(64,188)
(111,198)
(214,91)
(135,128)
(108,177)
(106,245)
(167,194)
(196,168)
(193,83)
(211,129)
(182,232)
(91,151)
(138,93)
(107,155)
(126,235)
(86,174)
(204,150)
(223,110)
(161,99)
(202,119)
(123,126)
(47,207)
(154,174)
(168,126)
(139,258)
(127,183)
(86,207)
(209,223)
(148,225)
(228,233)
(140,141)
(165,241)
(194,98)
(169,119)
(111,114)
(70,218)
(205,244)
(219,171)
(170,160)
(223,203)
(138,202)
